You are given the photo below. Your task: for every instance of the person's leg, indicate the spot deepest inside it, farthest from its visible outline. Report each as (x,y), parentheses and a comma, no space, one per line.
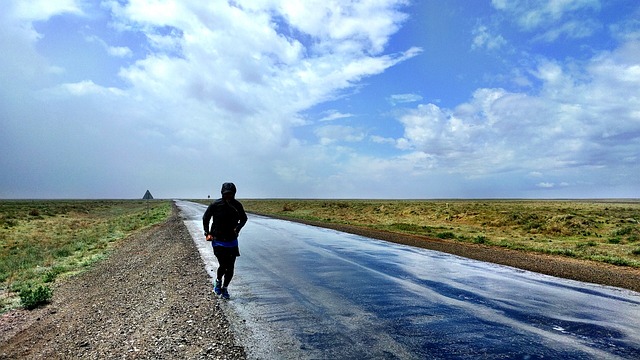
(226,267)
(227,263)
(217,288)
(221,269)
(230,262)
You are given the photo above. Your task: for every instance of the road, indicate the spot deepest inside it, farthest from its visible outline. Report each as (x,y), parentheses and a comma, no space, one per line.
(303,292)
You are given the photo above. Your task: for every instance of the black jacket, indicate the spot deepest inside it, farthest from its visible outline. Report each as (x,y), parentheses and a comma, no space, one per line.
(226,219)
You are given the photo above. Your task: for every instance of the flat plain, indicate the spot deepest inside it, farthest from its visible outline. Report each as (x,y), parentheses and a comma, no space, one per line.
(41,240)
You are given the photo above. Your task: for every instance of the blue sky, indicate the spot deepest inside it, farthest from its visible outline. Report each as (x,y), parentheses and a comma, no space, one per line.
(320,99)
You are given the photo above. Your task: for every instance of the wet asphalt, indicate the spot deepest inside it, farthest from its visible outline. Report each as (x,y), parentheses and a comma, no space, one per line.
(302,292)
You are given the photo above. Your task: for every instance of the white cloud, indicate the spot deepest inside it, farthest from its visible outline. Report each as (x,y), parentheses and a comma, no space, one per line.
(116,51)
(35,10)
(331,133)
(583,120)
(21,65)
(221,86)
(571,29)
(251,79)
(483,39)
(83,88)
(351,25)
(119,51)
(404,98)
(382,140)
(332,115)
(532,15)
(217,91)
(234,49)
(628,29)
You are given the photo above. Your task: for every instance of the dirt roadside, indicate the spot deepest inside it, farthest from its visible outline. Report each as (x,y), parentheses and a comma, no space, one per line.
(152,298)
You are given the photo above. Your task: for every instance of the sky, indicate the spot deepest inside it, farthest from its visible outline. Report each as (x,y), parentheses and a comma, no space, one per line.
(376,99)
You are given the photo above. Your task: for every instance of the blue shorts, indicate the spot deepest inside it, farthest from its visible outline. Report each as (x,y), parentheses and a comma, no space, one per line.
(225,248)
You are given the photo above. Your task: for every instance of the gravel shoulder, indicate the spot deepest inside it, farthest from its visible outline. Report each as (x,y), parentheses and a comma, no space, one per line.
(152,298)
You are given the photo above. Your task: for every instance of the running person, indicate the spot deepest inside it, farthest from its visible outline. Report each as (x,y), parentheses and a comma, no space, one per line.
(222,222)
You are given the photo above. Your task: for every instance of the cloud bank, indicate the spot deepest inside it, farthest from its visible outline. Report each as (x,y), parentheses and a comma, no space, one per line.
(212,95)
(113,98)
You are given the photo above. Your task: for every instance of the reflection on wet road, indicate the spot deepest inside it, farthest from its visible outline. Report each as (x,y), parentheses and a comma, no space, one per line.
(305,292)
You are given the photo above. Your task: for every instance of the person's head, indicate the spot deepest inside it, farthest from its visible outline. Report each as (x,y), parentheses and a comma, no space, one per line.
(228,190)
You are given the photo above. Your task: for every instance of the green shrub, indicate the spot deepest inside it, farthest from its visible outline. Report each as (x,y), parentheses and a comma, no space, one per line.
(480,239)
(583,245)
(615,260)
(636,251)
(32,298)
(51,275)
(615,240)
(446,235)
(412,228)
(287,207)
(624,231)
(564,252)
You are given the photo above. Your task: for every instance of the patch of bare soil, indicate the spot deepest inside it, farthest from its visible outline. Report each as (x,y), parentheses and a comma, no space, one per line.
(152,298)
(581,270)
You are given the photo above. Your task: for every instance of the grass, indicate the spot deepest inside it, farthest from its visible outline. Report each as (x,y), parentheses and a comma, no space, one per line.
(606,231)
(41,241)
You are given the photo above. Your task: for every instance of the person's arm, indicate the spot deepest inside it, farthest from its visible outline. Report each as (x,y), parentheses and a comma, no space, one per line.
(243,217)
(206,220)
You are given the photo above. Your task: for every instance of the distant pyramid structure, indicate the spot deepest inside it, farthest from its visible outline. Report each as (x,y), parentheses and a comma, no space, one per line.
(147,196)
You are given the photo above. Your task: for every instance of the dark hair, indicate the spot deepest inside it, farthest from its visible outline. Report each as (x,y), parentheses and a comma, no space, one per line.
(228,188)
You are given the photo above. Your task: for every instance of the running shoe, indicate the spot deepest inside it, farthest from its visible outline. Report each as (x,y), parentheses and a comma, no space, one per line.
(217,287)
(225,293)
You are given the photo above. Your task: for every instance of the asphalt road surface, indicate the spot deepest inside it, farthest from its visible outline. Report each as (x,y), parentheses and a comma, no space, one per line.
(303,292)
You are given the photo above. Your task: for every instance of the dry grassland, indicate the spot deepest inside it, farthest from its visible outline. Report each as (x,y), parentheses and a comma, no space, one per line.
(43,240)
